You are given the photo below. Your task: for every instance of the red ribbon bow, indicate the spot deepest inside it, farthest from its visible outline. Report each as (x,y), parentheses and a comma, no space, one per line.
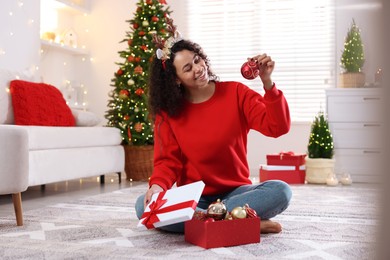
(155,208)
(281,154)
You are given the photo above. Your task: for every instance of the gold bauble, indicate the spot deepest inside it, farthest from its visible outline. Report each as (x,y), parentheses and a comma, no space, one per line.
(238,213)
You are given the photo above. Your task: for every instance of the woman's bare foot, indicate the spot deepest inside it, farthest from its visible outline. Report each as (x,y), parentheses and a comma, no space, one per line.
(268,226)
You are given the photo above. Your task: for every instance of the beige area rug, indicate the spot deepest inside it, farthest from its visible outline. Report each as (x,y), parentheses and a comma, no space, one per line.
(321,223)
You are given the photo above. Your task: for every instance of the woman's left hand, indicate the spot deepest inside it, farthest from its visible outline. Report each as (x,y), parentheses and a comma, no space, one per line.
(266,66)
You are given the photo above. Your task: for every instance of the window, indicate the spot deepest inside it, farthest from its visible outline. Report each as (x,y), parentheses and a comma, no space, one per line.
(298,34)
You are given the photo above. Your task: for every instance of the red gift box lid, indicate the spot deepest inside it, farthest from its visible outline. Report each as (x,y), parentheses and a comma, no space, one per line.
(286,158)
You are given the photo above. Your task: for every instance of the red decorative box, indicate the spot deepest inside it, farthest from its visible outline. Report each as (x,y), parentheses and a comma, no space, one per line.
(285,173)
(223,232)
(286,158)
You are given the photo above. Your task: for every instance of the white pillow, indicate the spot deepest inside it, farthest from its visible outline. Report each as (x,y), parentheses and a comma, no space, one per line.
(85,118)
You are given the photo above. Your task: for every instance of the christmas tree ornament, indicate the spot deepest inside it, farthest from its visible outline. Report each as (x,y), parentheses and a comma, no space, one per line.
(119,72)
(130,58)
(238,213)
(155,19)
(250,70)
(217,210)
(138,70)
(123,94)
(200,215)
(250,213)
(130,82)
(139,91)
(145,23)
(228,216)
(208,220)
(138,127)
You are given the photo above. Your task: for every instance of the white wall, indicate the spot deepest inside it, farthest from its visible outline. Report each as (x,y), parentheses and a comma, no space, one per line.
(19,24)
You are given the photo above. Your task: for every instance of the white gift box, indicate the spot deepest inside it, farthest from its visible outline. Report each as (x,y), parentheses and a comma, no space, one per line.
(171,206)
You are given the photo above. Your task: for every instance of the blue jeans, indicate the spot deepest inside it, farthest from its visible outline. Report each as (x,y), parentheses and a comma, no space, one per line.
(268,199)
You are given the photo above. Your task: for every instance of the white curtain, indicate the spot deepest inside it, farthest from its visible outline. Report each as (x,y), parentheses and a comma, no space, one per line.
(298,34)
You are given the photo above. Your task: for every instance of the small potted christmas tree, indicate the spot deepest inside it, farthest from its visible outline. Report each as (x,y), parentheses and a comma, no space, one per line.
(320,162)
(128,103)
(352,60)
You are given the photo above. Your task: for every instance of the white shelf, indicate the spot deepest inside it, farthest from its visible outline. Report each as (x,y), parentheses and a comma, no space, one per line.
(76,7)
(64,48)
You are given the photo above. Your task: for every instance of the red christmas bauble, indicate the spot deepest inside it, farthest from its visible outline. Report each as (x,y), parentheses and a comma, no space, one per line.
(141,33)
(129,133)
(138,70)
(135,26)
(126,117)
(137,59)
(119,72)
(209,220)
(139,91)
(138,127)
(129,41)
(144,47)
(249,70)
(124,93)
(130,58)
(155,19)
(250,213)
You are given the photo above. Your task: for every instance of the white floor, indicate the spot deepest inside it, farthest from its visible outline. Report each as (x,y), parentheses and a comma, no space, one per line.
(62,192)
(35,197)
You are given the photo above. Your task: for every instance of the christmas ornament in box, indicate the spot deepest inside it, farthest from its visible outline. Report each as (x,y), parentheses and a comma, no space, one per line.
(171,206)
(210,230)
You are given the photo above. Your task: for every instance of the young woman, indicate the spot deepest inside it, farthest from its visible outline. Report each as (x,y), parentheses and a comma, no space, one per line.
(201,127)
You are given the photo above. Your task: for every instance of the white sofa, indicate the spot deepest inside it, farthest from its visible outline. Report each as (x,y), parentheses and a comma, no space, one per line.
(38,155)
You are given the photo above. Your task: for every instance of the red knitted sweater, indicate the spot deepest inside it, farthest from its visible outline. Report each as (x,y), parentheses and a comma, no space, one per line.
(208,141)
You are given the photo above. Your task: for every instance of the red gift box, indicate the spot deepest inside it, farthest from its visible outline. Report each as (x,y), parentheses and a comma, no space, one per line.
(286,158)
(223,232)
(285,173)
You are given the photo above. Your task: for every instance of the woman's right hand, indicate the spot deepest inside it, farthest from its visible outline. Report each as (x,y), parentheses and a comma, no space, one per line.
(152,190)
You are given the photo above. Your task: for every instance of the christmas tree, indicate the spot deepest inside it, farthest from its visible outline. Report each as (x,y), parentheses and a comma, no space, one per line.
(128,103)
(352,59)
(321,140)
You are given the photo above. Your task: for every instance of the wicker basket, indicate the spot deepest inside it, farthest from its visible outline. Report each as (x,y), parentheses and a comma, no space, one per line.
(138,162)
(352,80)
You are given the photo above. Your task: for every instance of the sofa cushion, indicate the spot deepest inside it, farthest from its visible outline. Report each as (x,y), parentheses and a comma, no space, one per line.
(39,104)
(6,76)
(46,137)
(85,118)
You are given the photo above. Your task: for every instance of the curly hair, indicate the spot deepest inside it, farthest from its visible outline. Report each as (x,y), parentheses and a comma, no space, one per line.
(164,92)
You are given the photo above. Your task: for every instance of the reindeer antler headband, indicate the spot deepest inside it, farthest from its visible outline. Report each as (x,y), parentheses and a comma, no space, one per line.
(163,51)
